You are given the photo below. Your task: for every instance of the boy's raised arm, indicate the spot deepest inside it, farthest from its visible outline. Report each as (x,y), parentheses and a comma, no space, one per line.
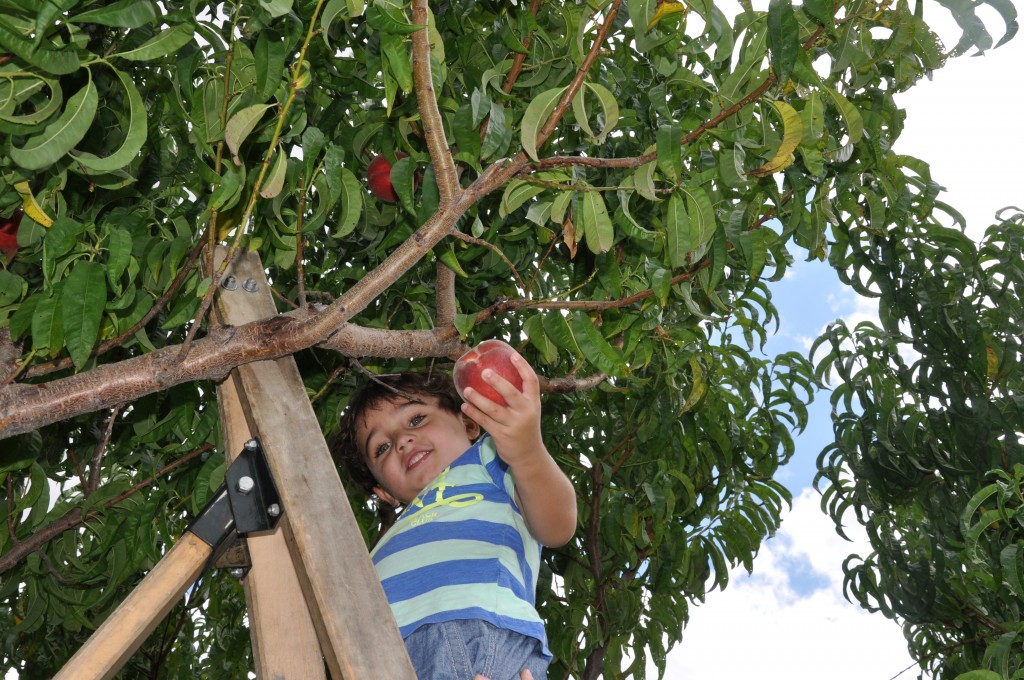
(544,493)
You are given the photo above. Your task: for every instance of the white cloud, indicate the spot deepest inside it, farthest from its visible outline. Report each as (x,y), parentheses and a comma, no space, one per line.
(789,620)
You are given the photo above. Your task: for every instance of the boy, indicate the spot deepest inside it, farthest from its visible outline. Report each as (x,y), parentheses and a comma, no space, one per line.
(460,564)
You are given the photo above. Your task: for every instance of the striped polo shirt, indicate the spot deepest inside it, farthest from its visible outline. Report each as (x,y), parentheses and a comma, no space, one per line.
(461,550)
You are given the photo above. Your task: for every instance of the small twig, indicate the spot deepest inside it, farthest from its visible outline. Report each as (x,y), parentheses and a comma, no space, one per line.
(57,576)
(493,248)
(300,271)
(94,466)
(10,513)
(373,377)
(330,380)
(586,305)
(540,266)
(283,299)
(73,455)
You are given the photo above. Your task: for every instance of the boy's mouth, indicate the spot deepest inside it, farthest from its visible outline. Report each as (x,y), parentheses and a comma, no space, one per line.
(416,458)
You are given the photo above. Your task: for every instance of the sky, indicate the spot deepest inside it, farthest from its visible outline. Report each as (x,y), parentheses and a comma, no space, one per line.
(789,620)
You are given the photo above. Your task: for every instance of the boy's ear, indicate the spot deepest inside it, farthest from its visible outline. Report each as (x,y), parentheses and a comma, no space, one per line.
(472,428)
(385,496)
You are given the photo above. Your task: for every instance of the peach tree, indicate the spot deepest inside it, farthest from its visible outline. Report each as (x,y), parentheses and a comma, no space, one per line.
(612,186)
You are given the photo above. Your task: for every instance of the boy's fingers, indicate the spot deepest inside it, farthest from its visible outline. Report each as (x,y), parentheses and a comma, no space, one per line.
(531,384)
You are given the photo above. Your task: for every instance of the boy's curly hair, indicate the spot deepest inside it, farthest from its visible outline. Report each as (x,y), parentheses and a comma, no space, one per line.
(399,388)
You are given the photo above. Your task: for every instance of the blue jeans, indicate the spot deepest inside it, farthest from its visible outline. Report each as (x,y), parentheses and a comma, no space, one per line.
(458,650)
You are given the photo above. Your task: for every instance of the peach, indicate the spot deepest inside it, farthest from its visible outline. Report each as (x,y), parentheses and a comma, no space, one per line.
(9,235)
(378,177)
(493,354)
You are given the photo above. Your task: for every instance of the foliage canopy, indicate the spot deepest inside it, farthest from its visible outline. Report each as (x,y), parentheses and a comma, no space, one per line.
(612,185)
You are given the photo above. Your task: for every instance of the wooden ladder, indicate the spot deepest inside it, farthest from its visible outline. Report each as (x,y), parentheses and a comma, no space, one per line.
(315,603)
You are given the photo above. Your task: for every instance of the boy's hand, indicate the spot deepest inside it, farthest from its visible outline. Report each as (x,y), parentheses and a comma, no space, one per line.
(543,493)
(514,427)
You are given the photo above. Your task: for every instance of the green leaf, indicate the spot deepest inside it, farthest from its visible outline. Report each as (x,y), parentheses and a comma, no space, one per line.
(979,675)
(464,324)
(499,133)
(821,10)
(60,136)
(58,62)
(557,328)
(851,116)
(134,139)
(85,294)
(1011,559)
(517,192)
(446,254)
(208,110)
(396,52)
(12,287)
(48,325)
(123,14)
(160,45)
(783,37)
(534,328)
(270,55)
(274,182)
(595,348)
(389,19)
(537,113)
(597,225)
(670,159)
(813,118)
(351,203)
(277,8)
(16,91)
(403,179)
(119,247)
(677,231)
(241,125)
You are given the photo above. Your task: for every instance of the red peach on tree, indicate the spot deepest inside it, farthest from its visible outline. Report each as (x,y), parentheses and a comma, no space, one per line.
(378,177)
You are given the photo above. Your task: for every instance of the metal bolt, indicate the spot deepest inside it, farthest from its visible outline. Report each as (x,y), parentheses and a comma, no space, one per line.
(246,484)
(273,509)
(252,444)
(229,283)
(237,573)
(250,285)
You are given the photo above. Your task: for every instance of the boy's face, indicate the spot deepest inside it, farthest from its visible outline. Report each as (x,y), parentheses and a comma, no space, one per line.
(406,445)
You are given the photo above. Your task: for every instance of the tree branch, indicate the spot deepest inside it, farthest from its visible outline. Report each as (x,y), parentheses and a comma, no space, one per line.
(426,102)
(445,296)
(494,249)
(97,458)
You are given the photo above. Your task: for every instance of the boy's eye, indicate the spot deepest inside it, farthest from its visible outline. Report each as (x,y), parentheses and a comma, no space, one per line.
(380,450)
(416,420)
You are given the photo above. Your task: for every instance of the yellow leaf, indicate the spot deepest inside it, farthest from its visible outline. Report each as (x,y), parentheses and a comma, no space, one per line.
(992,363)
(666,8)
(699,386)
(792,133)
(31,206)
